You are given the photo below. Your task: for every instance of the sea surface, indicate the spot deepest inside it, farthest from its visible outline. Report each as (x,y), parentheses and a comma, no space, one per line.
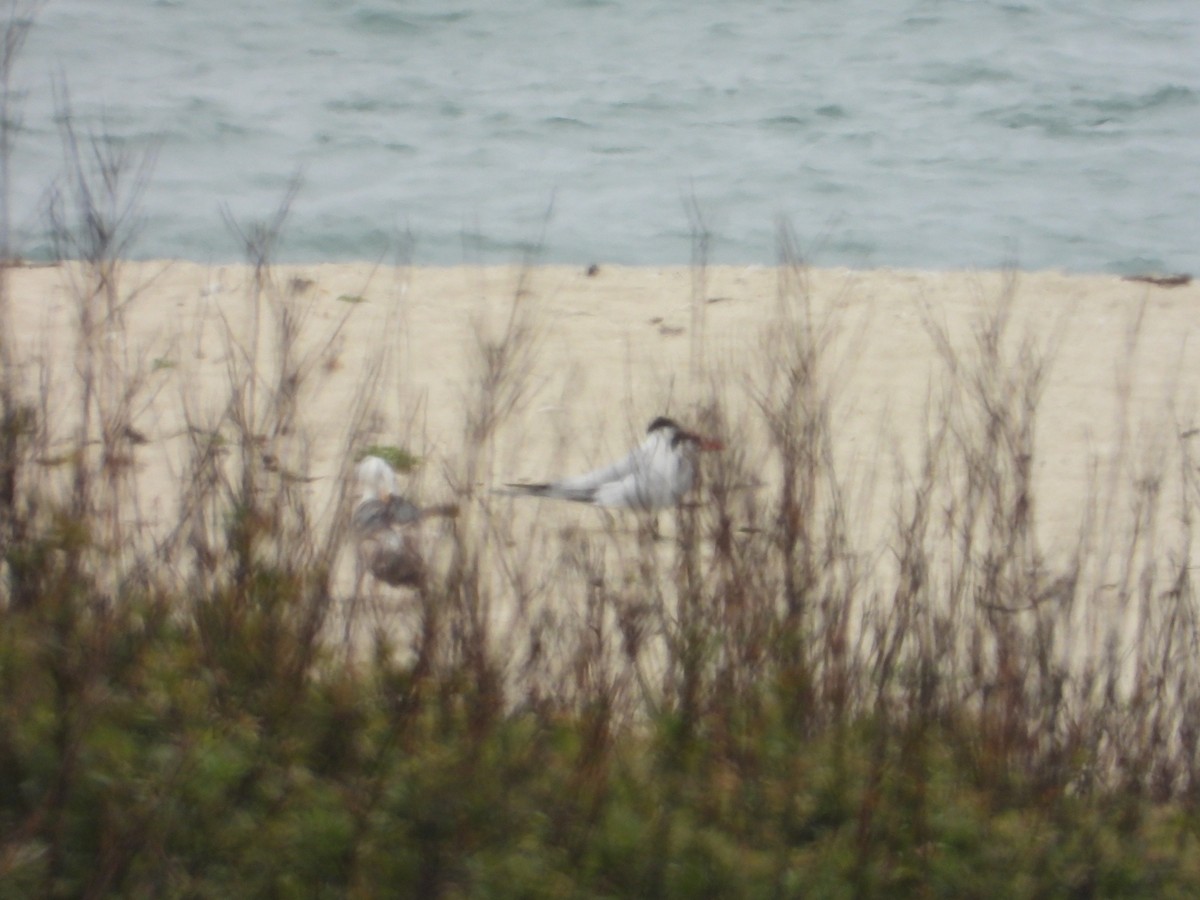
(936,134)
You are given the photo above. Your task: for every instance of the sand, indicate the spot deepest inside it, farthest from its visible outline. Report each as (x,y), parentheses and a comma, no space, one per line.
(609,351)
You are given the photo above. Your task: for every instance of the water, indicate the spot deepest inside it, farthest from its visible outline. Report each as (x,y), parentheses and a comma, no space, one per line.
(925,133)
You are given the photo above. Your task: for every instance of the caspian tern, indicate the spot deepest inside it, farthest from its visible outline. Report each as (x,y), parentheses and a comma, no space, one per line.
(656,474)
(383,521)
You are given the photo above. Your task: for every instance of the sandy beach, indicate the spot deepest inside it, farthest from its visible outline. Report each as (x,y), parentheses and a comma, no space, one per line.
(605,353)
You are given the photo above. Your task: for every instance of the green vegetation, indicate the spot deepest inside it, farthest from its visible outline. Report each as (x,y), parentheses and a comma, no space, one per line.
(141,760)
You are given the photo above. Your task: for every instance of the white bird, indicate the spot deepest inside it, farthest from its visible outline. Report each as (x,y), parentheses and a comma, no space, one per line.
(655,474)
(384,522)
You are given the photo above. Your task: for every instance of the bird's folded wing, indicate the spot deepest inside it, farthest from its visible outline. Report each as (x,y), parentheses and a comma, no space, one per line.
(623,492)
(583,488)
(635,491)
(634,461)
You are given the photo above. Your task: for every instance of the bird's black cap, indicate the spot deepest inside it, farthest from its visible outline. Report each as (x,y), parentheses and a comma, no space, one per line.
(662,422)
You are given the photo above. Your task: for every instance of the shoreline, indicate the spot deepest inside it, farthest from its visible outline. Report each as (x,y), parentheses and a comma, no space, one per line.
(1171,278)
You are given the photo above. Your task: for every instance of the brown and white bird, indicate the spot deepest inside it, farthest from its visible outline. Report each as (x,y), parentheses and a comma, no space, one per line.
(655,474)
(384,523)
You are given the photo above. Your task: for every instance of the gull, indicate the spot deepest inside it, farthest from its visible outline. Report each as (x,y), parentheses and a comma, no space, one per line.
(384,523)
(656,474)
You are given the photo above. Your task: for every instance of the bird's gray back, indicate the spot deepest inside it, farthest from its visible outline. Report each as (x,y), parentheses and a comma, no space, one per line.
(375,514)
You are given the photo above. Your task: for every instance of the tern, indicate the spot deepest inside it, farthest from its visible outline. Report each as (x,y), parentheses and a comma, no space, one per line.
(383,520)
(655,474)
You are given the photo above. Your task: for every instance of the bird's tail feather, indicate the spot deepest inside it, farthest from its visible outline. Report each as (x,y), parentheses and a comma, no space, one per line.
(553,491)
